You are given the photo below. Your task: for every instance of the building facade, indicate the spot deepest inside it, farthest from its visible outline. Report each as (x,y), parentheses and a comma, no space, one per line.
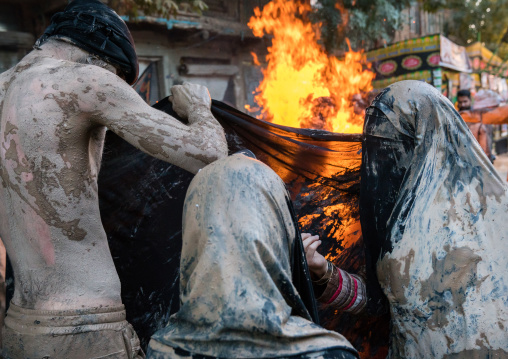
(213,49)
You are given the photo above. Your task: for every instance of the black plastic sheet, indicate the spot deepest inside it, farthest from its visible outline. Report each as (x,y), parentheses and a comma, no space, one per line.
(141,201)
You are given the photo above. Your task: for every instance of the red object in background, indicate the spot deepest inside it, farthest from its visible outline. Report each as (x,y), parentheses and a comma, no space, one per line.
(144,82)
(387,67)
(434,59)
(411,62)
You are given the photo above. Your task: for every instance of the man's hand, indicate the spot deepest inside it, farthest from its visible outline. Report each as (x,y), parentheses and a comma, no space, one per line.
(187,97)
(316,262)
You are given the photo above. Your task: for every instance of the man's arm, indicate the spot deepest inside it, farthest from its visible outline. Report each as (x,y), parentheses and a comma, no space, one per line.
(107,100)
(497,116)
(483,139)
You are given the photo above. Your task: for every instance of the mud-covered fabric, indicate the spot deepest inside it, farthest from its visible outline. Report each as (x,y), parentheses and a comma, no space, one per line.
(300,274)
(236,291)
(77,334)
(433,215)
(96,28)
(385,157)
(168,352)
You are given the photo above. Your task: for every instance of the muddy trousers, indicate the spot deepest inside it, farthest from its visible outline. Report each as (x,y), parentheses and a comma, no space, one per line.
(69,334)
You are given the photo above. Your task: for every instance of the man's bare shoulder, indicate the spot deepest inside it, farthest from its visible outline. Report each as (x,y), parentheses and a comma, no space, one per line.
(5,80)
(67,74)
(88,86)
(74,74)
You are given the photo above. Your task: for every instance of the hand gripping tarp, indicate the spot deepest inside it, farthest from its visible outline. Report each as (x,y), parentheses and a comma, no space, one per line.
(141,202)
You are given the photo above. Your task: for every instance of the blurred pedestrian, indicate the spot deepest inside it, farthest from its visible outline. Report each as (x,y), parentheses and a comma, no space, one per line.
(480,131)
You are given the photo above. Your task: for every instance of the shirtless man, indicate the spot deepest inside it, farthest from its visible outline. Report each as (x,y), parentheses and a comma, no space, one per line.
(55,106)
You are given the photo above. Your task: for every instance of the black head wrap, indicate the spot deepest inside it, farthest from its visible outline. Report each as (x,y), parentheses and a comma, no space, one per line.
(96,28)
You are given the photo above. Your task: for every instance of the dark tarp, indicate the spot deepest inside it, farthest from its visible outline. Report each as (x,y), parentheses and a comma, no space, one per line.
(141,201)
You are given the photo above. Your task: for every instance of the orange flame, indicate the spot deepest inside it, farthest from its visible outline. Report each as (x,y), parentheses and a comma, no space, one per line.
(302,85)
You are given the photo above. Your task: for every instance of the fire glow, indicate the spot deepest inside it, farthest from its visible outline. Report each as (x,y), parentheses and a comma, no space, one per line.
(302,85)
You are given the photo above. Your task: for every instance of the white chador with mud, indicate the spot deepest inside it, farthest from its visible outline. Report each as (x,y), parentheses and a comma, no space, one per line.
(446,277)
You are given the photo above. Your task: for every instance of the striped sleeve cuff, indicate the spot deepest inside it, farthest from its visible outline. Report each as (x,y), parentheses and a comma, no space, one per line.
(344,292)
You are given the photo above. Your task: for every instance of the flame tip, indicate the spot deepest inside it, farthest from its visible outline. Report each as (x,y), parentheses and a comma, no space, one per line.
(302,85)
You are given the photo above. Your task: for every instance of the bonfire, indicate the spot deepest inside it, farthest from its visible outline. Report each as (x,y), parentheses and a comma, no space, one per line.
(302,85)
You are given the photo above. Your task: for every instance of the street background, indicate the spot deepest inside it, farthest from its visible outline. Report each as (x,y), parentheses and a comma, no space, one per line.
(501,165)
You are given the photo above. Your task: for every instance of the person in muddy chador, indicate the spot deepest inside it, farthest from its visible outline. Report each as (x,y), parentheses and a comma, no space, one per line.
(55,105)
(238,293)
(432,211)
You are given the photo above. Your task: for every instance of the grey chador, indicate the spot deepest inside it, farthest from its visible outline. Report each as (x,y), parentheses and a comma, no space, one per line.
(235,276)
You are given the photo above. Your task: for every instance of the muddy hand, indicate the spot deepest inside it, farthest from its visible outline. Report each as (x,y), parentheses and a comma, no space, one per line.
(316,262)
(187,97)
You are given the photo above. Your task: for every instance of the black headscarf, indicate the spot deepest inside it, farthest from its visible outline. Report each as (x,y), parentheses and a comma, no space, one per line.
(96,28)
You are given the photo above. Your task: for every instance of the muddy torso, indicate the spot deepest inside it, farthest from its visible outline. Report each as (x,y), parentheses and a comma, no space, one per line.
(50,222)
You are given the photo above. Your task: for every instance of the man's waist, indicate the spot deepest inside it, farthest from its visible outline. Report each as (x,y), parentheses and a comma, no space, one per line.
(64,321)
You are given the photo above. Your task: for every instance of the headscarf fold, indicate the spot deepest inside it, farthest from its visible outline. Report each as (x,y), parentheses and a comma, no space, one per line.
(434,219)
(236,290)
(96,28)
